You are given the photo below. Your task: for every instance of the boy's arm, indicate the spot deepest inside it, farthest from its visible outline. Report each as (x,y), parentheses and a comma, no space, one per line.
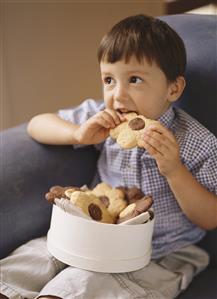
(196,202)
(49,128)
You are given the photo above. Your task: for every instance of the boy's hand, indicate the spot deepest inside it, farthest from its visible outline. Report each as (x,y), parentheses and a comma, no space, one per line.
(163,147)
(96,129)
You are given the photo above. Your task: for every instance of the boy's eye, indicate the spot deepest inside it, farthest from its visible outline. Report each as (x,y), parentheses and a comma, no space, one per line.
(135,79)
(107,80)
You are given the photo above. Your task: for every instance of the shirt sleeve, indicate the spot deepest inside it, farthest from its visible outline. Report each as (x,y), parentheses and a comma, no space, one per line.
(82,113)
(206,170)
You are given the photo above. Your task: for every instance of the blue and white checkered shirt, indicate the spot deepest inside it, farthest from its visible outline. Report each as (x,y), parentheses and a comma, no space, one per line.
(135,167)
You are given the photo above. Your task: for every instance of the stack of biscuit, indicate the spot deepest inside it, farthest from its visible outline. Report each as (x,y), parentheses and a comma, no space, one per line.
(104,203)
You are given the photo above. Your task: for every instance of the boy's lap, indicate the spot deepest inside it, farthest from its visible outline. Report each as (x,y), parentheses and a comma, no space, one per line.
(160,279)
(27,269)
(164,278)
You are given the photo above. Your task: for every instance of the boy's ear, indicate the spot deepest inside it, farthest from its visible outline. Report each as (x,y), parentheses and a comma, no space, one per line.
(176,88)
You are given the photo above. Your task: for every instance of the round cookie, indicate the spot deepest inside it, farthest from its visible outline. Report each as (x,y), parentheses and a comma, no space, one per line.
(134,209)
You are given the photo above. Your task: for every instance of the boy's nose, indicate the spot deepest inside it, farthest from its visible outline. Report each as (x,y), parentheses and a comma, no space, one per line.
(120,93)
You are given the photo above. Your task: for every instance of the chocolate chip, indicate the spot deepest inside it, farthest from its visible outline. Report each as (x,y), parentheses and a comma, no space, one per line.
(137,123)
(95,212)
(105,200)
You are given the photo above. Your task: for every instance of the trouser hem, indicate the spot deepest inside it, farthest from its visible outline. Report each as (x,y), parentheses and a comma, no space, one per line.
(9,292)
(54,292)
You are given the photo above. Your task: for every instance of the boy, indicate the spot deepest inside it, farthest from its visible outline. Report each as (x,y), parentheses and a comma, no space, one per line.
(142,62)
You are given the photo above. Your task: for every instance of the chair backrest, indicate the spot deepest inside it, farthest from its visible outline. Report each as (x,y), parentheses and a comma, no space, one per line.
(199,33)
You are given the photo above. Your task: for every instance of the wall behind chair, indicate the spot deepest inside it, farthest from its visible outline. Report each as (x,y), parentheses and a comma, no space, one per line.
(48,52)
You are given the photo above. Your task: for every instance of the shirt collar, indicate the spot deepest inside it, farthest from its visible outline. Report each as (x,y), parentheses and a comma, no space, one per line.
(167,118)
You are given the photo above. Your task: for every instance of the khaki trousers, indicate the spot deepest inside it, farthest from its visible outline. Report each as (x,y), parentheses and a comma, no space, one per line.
(30,272)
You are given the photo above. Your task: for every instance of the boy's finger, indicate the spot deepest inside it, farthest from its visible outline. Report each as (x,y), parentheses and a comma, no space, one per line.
(161,130)
(151,149)
(104,123)
(158,144)
(108,118)
(160,138)
(117,117)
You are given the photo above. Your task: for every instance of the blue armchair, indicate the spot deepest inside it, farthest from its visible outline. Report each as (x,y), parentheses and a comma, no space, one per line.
(28,169)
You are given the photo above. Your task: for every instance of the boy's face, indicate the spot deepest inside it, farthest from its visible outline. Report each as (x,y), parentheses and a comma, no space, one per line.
(135,86)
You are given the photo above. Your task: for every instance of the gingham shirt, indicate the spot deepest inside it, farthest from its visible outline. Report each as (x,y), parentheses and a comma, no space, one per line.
(135,167)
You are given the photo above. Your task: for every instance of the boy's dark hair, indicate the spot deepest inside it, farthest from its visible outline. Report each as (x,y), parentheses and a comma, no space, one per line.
(145,37)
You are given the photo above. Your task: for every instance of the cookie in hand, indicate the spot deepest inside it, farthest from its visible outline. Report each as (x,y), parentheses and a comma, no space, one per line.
(130,133)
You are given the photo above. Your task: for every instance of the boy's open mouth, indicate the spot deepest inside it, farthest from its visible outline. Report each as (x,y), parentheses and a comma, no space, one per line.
(125,111)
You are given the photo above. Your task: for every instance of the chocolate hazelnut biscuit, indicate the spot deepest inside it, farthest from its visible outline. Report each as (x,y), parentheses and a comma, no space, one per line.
(117,201)
(122,126)
(133,194)
(92,206)
(130,133)
(101,189)
(58,192)
(135,209)
(113,198)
